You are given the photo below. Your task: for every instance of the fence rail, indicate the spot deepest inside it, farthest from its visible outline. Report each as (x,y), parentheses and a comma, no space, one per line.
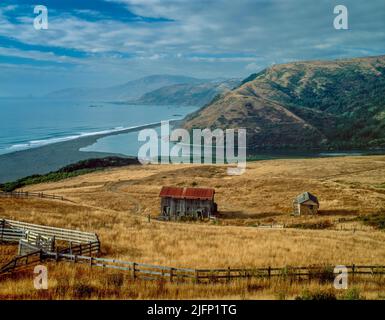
(153,272)
(8,234)
(59,234)
(137,270)
(22,262)
(26,194)
(81,249)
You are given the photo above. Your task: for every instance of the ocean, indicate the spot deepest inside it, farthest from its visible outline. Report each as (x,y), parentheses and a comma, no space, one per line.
(30,122)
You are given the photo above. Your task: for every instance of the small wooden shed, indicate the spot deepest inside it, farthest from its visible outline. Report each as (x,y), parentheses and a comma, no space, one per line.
(178,203)
(305,203)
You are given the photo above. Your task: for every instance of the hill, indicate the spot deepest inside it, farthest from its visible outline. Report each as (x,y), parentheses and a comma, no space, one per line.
(188,94)
(130,90)
(315,104)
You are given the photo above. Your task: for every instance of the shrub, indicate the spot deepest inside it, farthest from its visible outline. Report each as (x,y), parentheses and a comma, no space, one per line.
(324,274)
(317,295)
(83,290)
(326,224)
(376,220)
(352,294)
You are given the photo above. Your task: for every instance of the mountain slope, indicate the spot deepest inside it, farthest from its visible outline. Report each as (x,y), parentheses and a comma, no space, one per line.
(338,104)
(188,94)
(128,91)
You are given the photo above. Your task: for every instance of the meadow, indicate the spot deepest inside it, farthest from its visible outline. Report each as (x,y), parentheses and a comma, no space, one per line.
(115,203)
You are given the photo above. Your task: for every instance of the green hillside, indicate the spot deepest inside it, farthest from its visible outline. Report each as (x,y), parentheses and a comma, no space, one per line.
(317,104)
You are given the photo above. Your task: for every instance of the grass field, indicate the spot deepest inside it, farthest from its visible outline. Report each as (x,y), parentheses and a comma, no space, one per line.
(115,204)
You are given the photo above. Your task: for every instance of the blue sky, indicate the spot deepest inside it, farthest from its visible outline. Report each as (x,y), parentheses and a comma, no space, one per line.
(97,43)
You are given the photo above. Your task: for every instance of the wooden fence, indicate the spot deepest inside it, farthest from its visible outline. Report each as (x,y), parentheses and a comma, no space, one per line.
(153,272)
(137,270)
(26,194)
(34,241)
(271,226)
(59,233)
(34,238)
(9,234)
(26,248)
(22,262)
(87,249)
(32,255)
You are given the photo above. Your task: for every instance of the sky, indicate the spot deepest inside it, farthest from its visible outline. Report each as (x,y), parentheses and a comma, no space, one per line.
(100,43)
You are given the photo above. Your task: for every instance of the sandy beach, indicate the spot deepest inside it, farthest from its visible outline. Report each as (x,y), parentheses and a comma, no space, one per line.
(54,156)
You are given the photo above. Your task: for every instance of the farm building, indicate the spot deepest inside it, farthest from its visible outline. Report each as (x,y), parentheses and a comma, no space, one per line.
(178,203)
(305,203)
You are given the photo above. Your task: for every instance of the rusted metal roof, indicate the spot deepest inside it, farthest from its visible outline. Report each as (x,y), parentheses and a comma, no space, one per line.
(187,193)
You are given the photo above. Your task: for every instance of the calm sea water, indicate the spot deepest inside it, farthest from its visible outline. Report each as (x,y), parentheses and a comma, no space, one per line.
(28,123)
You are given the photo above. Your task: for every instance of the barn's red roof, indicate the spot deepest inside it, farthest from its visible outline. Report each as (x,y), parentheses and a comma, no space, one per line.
(187,193)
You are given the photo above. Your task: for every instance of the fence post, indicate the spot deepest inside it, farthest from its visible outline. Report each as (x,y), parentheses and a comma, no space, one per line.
(2,225)
(171,274)
(134,270)
(196,276)
(228,274)
(269,272)
(91,261)
(353,271)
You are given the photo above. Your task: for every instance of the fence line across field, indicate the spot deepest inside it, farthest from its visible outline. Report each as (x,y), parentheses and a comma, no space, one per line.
(27,194)
(154,272)
(36,244)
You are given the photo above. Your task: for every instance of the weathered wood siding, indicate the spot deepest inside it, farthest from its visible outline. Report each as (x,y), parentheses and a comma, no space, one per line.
(195,208)
(306,208)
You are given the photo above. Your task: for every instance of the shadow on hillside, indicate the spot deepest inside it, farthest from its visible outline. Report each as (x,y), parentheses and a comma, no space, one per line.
(243,215)
(338,212)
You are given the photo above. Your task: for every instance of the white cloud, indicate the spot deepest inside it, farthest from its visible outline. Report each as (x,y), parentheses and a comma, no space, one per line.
(252,67)
(203,38)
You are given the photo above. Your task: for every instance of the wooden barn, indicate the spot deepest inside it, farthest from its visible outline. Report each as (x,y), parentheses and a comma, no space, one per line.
(195,203)
(305,203)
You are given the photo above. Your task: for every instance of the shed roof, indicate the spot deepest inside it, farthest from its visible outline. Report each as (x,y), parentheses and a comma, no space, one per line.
(306,196)
(187,193)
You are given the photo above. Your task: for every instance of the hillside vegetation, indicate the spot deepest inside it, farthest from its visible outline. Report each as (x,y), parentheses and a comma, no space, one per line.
(187,94)
(70,171)
(316,104)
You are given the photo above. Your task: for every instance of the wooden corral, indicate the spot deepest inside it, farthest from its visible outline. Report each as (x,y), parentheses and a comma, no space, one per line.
(305,204)
(195,203)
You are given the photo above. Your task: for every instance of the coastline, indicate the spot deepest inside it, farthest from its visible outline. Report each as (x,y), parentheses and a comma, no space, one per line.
(51,157)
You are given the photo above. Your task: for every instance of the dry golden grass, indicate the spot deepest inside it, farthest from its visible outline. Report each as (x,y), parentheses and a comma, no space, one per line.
(115,204)
(77,282)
